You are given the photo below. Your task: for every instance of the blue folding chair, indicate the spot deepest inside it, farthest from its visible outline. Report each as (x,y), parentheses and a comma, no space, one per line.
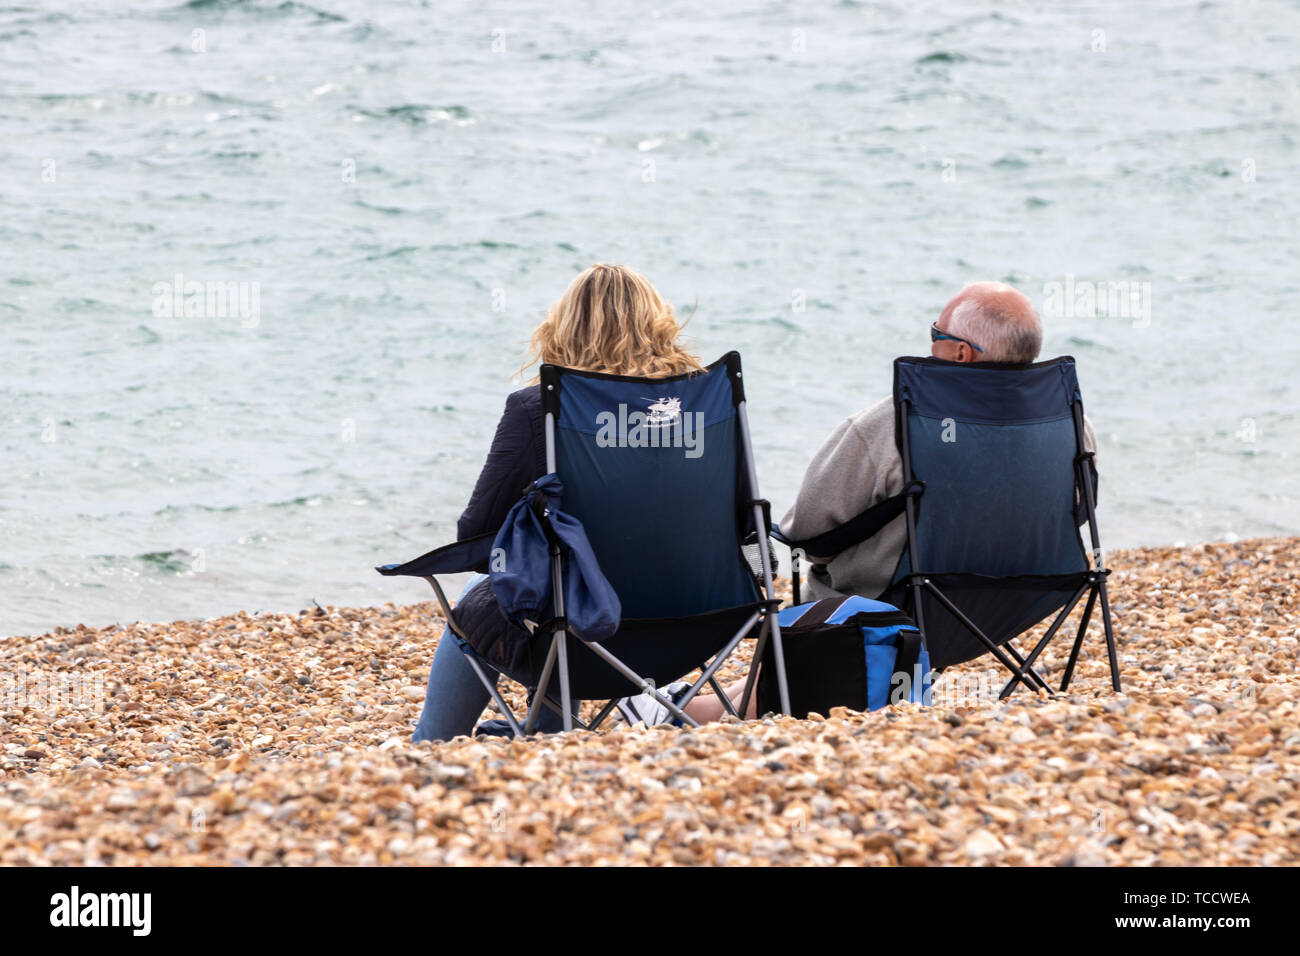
(660,472)
(997,482)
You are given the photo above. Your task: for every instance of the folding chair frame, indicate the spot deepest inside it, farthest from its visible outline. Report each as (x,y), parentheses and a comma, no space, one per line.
(1094,580)
(920,582)
(558,652)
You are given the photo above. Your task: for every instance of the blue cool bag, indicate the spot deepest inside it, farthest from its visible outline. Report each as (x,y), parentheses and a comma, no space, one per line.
(847,652)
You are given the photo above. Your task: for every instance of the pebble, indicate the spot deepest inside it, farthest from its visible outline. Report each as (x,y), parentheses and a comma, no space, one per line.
(982,843)
(211,750)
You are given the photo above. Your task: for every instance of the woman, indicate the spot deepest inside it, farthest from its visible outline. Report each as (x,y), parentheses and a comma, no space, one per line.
(611,320)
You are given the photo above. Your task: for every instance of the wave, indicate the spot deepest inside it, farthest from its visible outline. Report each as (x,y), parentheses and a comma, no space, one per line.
(386,210)
(98,101)
(419,114)
(942,56)
(285,8)
(180,509)
(174,562)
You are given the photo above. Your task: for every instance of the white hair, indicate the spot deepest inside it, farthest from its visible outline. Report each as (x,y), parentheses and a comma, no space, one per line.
(990,318)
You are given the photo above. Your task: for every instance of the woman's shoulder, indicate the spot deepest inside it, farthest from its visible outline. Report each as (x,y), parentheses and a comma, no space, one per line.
(528,397)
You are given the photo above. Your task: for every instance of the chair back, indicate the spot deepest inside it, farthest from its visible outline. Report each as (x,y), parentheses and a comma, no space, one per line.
(997,527)
(655,469)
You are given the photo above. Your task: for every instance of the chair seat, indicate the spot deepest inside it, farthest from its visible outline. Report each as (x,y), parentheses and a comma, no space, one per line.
(659,649)
(1000,607)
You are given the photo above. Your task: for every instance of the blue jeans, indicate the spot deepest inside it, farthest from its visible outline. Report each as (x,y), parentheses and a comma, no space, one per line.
(455,697)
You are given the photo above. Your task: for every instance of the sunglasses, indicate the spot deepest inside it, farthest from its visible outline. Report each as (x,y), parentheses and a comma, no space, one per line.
(936,335)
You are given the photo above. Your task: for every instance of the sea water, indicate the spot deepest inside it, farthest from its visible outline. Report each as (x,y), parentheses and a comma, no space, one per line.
(269,266)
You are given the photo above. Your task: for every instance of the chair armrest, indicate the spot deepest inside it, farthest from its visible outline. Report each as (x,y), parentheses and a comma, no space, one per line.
(1086,463)
(471,554)
(856,529)
(751,530)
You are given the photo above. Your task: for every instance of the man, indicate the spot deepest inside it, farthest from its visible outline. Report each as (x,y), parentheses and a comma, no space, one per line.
(859,465)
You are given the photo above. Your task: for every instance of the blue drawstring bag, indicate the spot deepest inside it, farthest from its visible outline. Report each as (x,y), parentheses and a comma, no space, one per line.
(846,652)
(520,566)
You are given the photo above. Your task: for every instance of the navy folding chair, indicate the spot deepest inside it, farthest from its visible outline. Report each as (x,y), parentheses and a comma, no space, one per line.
(997,482)
(660,471)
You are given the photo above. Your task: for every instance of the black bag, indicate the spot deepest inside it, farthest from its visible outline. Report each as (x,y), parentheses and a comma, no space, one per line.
(846,652)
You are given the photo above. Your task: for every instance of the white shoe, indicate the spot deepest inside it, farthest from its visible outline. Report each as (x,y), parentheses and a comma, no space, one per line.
(646,709)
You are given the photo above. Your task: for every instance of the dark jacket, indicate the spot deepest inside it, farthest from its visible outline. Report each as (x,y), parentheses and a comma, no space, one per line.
(516,459)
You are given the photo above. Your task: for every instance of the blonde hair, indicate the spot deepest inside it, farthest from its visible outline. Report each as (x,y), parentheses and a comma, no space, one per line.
(611,319)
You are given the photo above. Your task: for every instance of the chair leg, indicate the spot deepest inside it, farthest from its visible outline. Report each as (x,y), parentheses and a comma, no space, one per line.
(557,650)
(565,701)
(1025,665)
(1078,640)
(1110,638)
(539,696)
(707,671)
(778,658)
(640,681)
(971,626)
(765,560)
(604,712)
(1051,632)
(759,649)
(722,696)
(561,635)
(496,696)
(553,705)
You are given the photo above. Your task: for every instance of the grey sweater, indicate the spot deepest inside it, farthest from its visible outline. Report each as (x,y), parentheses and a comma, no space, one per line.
(857,467)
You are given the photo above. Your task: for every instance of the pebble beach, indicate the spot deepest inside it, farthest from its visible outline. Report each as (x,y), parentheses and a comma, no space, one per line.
(284,739)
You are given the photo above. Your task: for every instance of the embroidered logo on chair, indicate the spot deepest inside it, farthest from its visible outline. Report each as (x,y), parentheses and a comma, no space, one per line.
(663,411)
(662,425)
